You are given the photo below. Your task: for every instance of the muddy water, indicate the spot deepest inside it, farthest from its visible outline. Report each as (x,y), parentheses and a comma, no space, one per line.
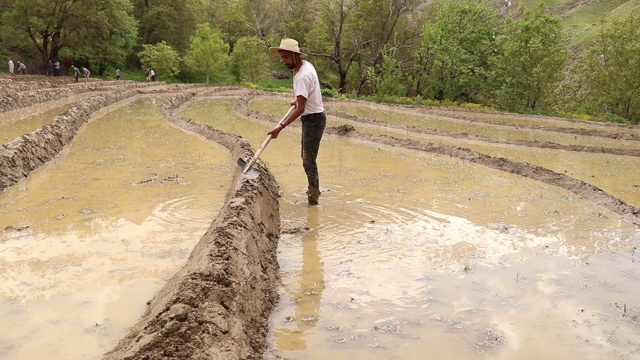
(460,125)
(91,237)
(23,121)
(414,256)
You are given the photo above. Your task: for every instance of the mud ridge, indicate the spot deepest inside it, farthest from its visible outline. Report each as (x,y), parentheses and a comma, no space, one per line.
(218,305)
(21,99)
(465,136)
(21,156)
(435,111)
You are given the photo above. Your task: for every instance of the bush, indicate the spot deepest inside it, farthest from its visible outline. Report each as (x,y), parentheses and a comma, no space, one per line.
(615,118)
(329,93)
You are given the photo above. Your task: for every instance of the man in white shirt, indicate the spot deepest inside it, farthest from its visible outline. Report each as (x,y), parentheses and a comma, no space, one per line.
(10,67)
(310,108)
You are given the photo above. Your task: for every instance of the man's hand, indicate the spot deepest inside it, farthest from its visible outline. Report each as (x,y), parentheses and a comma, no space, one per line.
(275,131)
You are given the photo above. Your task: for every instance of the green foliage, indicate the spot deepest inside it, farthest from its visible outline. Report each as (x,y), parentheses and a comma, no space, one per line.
(328,93)
(609,117)
(207,53)
(162,58)
(249,58)
(456,47)
(105,28)
(110,35)
(580,18)
(390,80)
(529,62)
(609,75)
(166,20)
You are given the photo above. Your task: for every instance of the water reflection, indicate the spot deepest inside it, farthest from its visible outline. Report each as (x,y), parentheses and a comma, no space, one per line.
(308,290)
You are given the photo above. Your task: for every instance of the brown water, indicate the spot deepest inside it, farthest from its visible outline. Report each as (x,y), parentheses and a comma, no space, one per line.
(23,121)
(409,256)
(414,256)
(95,233)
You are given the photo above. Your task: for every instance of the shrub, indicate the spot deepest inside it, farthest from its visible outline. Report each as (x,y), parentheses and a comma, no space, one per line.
(609,117)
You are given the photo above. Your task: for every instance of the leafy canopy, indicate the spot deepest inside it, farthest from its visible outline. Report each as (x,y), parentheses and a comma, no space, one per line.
(162,58)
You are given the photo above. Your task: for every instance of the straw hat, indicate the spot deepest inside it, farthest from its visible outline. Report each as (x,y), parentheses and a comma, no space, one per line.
(286,44)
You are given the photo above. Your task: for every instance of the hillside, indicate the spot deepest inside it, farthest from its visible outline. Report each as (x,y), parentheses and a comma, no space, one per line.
(581,18)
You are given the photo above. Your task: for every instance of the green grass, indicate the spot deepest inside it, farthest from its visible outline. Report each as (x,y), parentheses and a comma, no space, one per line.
(581,19)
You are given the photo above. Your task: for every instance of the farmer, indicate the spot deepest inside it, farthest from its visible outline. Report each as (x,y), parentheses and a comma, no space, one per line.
(10,67)
(76,72)
(308,104)
(86,72)
(22,68)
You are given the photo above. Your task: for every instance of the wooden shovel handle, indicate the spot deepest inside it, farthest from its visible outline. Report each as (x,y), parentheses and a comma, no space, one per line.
(265,142)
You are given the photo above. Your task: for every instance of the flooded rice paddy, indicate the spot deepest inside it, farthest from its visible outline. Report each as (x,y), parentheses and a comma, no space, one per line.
(93,235)
(410,255)
(416,255)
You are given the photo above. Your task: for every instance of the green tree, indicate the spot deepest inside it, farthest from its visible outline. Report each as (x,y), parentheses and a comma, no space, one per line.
(380,26)
(162,58)
(207,53)
(110,34)
(609,75)
(249,56)
(453,62)
(167,20)
(336,37)
(229,17)
(530,61)
(355,36)
(390,80)
(72,24)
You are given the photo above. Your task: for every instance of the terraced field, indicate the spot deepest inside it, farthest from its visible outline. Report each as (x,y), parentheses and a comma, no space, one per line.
(129,231)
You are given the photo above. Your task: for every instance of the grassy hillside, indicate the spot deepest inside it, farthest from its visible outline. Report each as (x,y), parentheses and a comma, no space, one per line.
(582,18)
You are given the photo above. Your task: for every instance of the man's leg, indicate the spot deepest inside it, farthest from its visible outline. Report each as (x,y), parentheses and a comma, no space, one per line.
(312,130)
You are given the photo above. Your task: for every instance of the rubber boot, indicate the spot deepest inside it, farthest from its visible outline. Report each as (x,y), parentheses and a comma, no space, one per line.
(313,193)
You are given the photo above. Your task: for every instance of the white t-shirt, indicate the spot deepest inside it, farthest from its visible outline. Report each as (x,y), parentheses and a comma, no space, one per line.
(306,83)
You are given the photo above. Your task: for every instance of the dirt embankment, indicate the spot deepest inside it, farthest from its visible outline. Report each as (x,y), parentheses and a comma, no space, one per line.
(218,305)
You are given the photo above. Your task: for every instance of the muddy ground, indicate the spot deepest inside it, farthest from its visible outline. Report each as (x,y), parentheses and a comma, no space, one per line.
(218,305)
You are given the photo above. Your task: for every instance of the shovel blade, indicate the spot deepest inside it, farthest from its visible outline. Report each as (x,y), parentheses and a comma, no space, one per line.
(247,171)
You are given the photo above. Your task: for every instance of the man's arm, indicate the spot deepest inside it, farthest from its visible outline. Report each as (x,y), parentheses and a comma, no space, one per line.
(301,103)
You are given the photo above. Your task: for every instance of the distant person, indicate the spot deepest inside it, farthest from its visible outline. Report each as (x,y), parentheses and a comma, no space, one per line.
(86,72)
(76,72)
(56,68)
(22,68)
(50,68)
(10,67)
(147,74)
(153,75)
(117,74)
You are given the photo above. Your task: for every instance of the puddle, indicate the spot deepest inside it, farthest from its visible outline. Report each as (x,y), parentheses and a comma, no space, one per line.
(414,255)
(89,238)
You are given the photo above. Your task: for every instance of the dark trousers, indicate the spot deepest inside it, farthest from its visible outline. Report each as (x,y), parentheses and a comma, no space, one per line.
(312,128)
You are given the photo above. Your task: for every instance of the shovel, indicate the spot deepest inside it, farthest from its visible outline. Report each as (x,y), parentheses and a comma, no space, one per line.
(247,167)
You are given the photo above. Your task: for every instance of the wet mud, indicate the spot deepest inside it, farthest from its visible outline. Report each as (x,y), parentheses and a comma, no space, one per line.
(218,305)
